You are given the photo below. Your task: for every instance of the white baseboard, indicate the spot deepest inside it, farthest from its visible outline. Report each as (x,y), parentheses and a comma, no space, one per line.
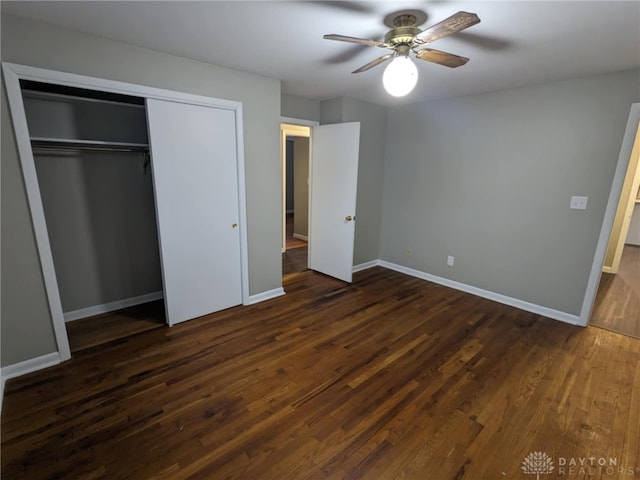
(31,365)
(268,295)
(112,306)
(301,237)
(365,266)
(497,297)
(27,366)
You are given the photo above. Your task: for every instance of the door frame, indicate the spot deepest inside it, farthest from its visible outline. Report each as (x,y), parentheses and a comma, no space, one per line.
(624,157)
(625,208)
(288,127)
(13,73)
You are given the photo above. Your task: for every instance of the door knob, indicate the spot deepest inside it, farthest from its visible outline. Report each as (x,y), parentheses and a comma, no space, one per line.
(235,225)
(349,218)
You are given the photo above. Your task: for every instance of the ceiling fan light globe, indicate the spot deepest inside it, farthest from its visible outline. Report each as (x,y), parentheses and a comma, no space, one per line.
(400,76)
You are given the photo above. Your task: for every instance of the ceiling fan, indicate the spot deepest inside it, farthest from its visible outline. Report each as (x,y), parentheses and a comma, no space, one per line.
(401,75)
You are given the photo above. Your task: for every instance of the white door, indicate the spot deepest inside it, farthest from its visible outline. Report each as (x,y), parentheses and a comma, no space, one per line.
(194,165)
(334,180)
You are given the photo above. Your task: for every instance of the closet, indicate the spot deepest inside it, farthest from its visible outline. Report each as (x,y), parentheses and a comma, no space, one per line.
(91,155)
(136,193)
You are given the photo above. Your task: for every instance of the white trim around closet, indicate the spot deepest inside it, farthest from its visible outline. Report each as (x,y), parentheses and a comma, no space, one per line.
(13,73)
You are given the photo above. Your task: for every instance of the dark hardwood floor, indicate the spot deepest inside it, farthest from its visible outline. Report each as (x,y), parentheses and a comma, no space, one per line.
(295,258)
(390,377)
(617,306)
(105,328)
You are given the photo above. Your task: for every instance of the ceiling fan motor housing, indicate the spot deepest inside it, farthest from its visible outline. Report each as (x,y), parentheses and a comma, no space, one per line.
(403,33)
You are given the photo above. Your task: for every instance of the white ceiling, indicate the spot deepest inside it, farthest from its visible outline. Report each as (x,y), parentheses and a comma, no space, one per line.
(517,42)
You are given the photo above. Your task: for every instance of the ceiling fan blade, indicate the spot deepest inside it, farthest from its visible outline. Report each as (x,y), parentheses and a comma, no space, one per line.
(373,63)
(361,41)
(441,58)
(357,7)
(455,23)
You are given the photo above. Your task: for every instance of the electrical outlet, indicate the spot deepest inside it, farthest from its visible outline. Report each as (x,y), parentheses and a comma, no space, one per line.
(578,203)
(450,260)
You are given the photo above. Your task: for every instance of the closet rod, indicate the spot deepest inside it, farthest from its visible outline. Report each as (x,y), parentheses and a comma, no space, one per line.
(97,147)
(93,149)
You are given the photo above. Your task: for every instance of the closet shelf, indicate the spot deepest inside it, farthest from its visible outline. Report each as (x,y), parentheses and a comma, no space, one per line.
(110,98)
(64,143)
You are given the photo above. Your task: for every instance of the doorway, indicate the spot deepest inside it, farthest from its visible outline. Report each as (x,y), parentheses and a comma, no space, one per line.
(295,145)
(617,306)
(331,191)
(617,300)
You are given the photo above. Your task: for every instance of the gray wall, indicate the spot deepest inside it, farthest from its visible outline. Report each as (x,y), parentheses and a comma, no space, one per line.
(26,323)
(633,235)
(488,179)
(300,108)
(301,185)
(331,111)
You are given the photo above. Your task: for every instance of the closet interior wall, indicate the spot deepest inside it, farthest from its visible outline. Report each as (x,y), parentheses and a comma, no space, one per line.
(92,162)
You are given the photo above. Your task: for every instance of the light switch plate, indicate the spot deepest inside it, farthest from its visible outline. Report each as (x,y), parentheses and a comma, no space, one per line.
(578,203)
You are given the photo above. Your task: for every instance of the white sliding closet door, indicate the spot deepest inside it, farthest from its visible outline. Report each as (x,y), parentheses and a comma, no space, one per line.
(194,164)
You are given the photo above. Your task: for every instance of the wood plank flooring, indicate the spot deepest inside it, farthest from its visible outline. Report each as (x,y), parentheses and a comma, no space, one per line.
(295,260)
(105,328)
(391,377)
(290,240)
(617,305)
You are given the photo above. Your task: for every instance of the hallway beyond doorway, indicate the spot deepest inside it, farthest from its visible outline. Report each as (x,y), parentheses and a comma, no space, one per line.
(295,258)
(617,306)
